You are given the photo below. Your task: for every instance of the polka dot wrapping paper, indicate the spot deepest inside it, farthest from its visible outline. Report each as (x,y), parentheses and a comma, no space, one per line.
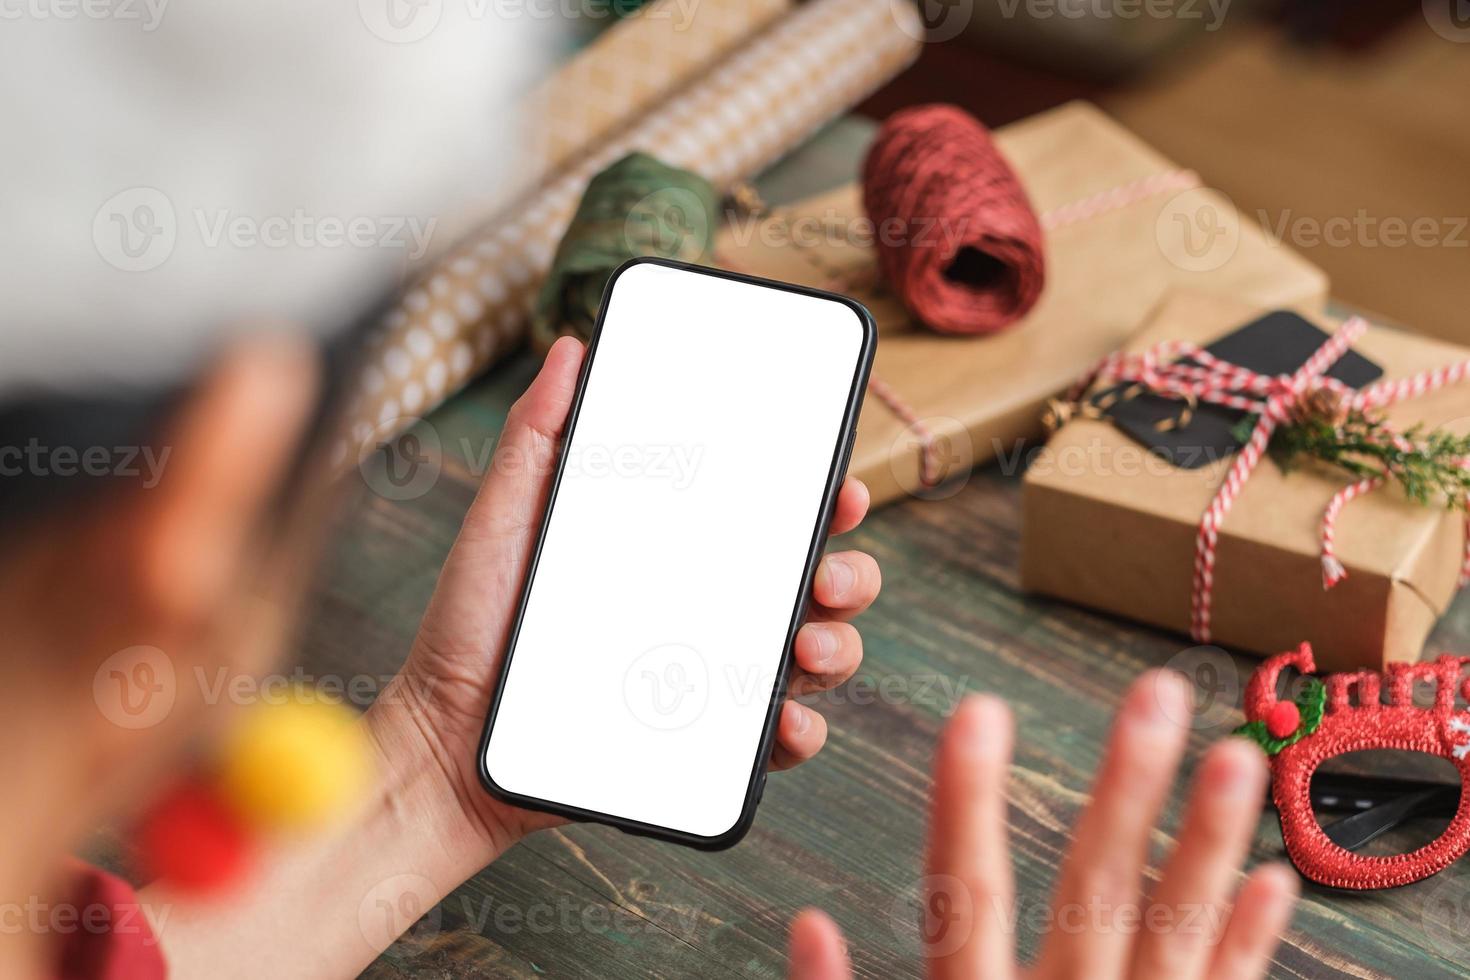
(473,306)
(629,69)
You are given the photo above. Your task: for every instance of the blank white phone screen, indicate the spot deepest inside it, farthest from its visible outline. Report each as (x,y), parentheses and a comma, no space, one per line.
(656,620)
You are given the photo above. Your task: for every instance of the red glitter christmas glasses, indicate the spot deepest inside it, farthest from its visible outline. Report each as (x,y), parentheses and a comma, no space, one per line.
(1339,714)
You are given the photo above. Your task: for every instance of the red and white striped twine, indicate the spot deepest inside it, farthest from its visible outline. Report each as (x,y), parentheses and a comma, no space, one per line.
(1272,398)
(1116,198)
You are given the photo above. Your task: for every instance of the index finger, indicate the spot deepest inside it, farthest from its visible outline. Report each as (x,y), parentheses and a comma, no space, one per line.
(970,887)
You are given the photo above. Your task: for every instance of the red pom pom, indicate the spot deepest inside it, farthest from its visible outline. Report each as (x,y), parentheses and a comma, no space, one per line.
(193,841)
(1283,718)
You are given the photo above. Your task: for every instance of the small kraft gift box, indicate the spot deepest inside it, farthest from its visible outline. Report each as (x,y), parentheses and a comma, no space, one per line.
(1182,511)
(1123,225)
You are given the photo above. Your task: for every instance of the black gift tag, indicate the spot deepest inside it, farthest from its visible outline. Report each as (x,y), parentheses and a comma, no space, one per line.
(1277,343)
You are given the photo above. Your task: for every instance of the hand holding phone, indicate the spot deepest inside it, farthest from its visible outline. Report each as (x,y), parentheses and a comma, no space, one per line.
(647,666)
(431,720)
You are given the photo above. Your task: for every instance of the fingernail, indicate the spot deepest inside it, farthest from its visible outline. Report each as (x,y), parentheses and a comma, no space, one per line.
(1243,774)
(841,576)
(1286,878)
(803,720)
(1167,702)
(826,642)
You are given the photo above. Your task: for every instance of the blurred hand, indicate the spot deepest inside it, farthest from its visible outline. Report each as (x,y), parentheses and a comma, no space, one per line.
(444,691)
(1101,923)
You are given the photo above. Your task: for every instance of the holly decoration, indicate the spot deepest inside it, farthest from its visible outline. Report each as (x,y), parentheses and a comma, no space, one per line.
(1289,722)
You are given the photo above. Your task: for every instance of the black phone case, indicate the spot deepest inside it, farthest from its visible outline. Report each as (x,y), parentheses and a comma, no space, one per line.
(841,453)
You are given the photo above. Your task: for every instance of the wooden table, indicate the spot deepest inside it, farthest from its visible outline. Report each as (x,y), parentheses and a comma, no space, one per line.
(845,831)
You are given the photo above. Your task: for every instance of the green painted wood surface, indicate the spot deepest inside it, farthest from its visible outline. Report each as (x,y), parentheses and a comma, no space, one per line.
(845,831)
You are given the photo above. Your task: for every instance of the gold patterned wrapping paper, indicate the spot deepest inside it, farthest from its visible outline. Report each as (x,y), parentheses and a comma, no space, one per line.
(474,304)
(626,71)
(629,69)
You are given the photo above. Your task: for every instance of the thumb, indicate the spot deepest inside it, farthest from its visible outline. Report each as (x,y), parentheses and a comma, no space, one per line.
(511,497)
(482,576)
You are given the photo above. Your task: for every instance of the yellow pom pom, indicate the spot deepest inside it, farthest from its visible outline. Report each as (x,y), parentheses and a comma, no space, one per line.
(296,764)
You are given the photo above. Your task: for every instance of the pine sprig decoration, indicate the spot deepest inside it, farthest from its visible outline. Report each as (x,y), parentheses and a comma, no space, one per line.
(1429,464)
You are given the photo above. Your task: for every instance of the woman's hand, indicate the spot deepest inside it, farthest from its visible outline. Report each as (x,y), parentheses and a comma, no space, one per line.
(1102,925)
(433,715)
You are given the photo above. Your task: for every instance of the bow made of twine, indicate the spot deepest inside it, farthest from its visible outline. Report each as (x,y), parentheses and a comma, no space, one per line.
(1186,371)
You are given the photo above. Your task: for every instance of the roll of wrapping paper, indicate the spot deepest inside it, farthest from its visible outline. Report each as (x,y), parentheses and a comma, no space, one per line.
(637,206)
(473,306)
(630,68)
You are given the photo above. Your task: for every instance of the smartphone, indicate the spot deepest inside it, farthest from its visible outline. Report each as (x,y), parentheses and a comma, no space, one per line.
(648,660)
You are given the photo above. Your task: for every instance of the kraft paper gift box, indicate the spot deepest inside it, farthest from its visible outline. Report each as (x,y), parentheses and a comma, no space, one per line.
(1108,525)
(977,396)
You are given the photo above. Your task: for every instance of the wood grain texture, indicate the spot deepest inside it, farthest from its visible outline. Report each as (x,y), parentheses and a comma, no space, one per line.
(845,831)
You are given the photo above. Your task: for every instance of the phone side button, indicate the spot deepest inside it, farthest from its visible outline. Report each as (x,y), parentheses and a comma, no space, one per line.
(847,453)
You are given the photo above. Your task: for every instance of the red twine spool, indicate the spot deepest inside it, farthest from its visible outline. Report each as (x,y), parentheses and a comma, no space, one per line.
(956,236)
